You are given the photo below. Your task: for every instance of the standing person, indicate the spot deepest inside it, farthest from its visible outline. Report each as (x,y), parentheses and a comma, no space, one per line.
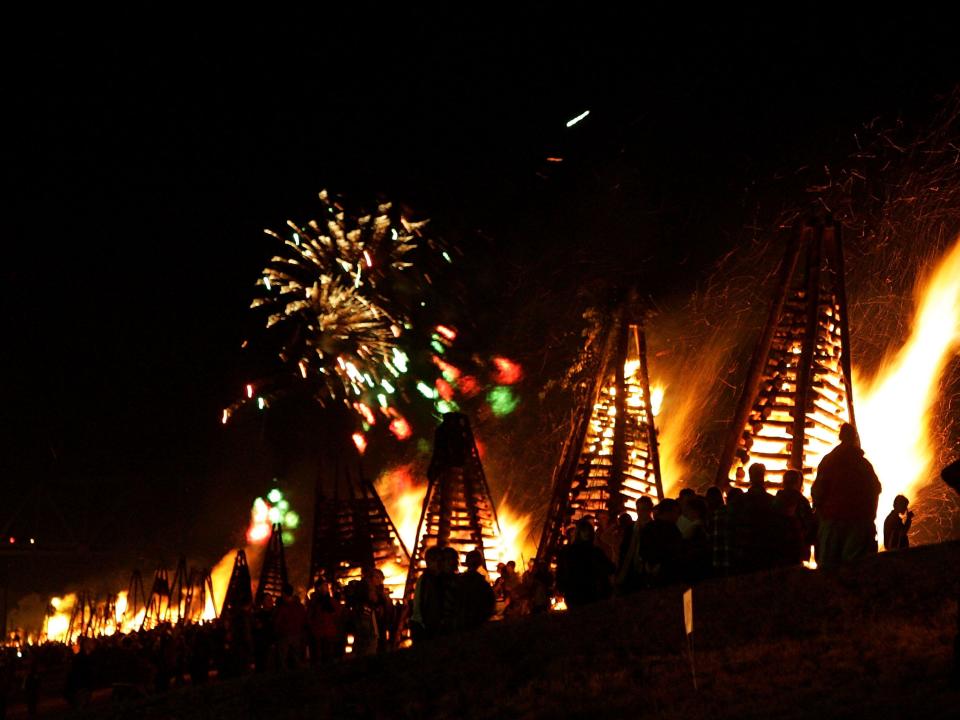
(291,625)
(325,620)
(792,503)
(424,611)
(661,544)
(583,570)
(363,619)
(895,530)
(477,601)
(845,496)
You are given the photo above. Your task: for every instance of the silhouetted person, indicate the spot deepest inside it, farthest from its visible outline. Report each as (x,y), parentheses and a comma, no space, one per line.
(714,500)
(799,526)
(427,603)
(362,620)
(583,570)
(477,601)
(755,526)
(325,621)
(895,529)
(536,584)
(661,544)
(291,626)
(695,553)
(630,573)
(722,536)
(845,496)
(449,585)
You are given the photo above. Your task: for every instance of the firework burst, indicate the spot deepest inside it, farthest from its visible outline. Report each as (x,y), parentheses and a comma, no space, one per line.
(339,297)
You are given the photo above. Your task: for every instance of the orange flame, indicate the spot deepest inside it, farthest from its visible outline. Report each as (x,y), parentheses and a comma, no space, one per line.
(893,408)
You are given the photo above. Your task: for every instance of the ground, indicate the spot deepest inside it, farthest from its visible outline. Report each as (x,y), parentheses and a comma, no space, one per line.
(872,640)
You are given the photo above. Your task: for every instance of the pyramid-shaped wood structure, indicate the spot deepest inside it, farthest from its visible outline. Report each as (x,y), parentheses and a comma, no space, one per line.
(458,511)
(273,572)
(798,389)
(351,529)
(239,592)
(610,457)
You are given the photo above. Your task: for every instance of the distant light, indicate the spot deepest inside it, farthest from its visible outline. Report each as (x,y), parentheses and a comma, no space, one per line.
(261,403)
(266,281)
(555,159)
(291,520)
(366,256)
(32,541)
(225,417)
(394,233)
(273,514)
(578,118)
(296,239)
(287,538)
(360,441)
(275,496)
(446,256)
(303,369)
(438,346)
(387,386)
(12,540)
(19,654)
(382,399)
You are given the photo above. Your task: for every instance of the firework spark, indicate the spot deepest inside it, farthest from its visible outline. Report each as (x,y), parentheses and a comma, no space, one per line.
(338,295)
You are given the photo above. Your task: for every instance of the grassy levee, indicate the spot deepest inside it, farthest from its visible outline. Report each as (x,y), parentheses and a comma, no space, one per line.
(872,640)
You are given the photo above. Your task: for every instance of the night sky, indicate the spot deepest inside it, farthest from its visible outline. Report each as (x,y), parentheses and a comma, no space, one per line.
(147,153)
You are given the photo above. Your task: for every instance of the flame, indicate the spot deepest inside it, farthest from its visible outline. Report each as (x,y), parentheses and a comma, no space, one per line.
(220,578)
(516,540)
(894,407)
(57,625)
(402,495)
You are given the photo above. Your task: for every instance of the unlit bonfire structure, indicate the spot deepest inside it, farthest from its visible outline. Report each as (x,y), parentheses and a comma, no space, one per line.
(798,388)
(458,511)
(610,457)
(352,531)
(239,593)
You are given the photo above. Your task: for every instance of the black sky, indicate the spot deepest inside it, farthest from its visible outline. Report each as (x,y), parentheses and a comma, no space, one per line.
(146,152)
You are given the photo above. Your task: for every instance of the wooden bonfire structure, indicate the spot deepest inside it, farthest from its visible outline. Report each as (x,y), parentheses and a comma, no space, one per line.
(273,572)
(610,457)
(798,389)
(458,511)
(352,531)
(239,594)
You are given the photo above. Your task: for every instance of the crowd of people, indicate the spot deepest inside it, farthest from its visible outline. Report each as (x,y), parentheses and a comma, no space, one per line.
(686,539)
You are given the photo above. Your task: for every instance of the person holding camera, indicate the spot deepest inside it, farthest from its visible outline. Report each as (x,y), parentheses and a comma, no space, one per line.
(896,530)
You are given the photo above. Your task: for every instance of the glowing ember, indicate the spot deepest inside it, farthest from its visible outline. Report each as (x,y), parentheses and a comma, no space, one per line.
(894,407)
